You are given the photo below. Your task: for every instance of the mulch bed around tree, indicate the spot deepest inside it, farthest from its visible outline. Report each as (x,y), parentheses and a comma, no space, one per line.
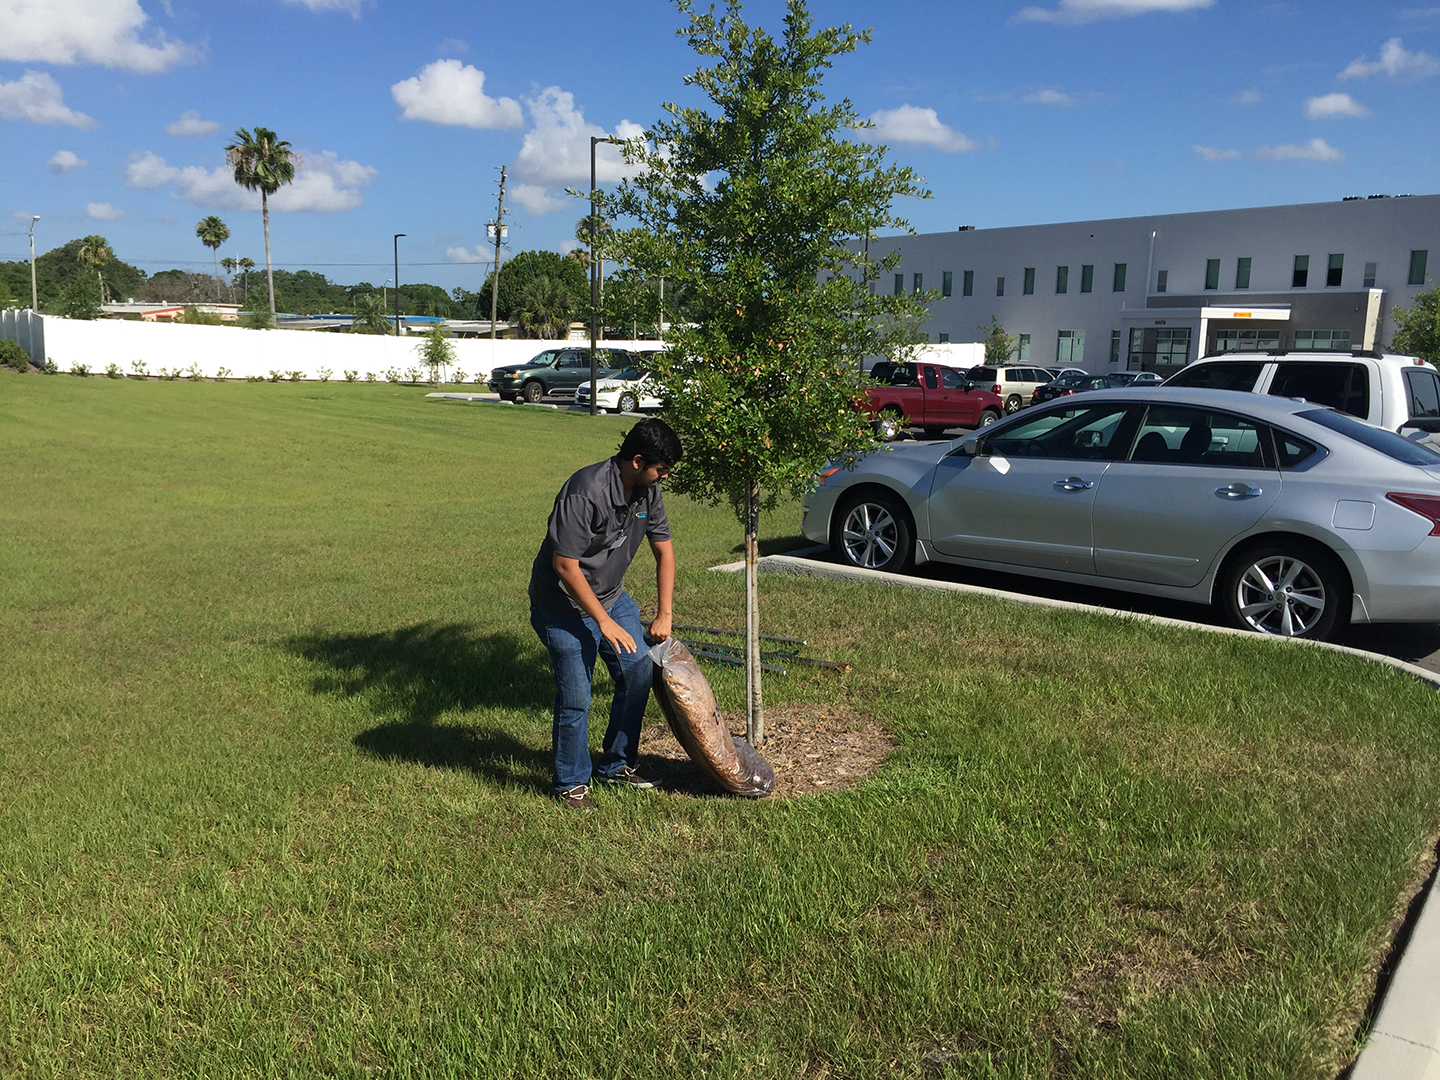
(814,750)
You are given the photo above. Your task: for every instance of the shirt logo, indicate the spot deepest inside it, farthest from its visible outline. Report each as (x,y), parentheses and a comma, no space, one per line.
(640,515)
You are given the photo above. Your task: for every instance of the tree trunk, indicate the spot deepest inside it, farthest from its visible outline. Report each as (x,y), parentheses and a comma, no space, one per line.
(754,710)
(269,273)
(215,251)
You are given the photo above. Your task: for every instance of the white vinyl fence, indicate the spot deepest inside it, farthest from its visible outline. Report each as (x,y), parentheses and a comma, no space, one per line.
(241,353)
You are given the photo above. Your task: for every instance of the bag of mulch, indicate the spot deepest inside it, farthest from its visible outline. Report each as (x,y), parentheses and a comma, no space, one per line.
(689,705)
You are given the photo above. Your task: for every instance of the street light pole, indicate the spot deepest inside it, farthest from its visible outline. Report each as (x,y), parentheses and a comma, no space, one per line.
(595,140)
(398,235)
(34,298)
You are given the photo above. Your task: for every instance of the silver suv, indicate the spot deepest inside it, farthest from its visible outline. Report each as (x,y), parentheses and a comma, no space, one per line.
(1385,389)
(1013,383)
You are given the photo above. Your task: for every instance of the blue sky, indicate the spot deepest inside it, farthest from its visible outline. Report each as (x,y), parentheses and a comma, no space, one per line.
(114,113)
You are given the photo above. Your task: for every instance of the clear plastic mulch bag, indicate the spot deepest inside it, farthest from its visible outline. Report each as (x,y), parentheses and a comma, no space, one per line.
(689,705)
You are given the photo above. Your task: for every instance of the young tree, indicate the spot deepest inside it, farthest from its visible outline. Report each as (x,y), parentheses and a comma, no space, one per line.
(1419,326)
(756,210)
(999,346)
(262,163)
(436,353)
(212,233)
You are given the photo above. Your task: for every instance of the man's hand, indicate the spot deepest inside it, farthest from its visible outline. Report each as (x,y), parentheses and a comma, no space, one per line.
(659,629)
(618,637)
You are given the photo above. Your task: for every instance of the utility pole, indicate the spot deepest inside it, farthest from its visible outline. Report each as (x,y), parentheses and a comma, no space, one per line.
(398,235)
(34,298)
(497,229)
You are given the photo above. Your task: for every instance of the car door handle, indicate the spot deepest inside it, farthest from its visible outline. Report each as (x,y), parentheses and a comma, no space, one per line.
(1239,491)
(1074,483)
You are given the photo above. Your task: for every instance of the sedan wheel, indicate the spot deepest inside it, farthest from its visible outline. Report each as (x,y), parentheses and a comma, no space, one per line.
(628,403)
(1013,404)
(874,533)
(1287,592)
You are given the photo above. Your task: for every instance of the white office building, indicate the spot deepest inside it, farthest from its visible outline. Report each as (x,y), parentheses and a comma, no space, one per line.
(1153,293)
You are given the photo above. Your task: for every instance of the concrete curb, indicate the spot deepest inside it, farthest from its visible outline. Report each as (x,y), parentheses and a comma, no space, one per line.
(1404,1043)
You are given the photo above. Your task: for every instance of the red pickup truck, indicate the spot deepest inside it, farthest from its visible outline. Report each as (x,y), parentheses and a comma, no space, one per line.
(928,396)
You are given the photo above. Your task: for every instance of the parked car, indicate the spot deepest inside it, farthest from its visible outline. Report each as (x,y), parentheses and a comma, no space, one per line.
(1058,372)
(1070,384)
(1291,518)
(929,396)
(1012,384)
(1134,378)
(552,373)
(628,391)
(1384,389)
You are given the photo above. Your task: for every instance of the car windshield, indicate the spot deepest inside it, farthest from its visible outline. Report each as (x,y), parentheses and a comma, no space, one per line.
(1069,382)
(1225,376)
(1386,442)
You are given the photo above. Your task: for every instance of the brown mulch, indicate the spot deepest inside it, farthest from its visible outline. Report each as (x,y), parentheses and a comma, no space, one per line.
(814,750)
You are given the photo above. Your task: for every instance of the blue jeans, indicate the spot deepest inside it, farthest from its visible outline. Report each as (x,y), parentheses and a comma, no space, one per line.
(573,641)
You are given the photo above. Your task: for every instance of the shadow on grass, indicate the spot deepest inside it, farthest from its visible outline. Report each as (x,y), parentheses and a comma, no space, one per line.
(777,545)
(418,673)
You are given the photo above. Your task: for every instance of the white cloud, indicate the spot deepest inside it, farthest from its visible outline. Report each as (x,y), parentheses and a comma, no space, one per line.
(103,211)
(557,146)
(87,31)
(912,124)
(452,45)
(1396,61)
(323,183)
(66,161)
(465,255)
(37,97)
(350,7)
(191,124)
(1247,97)
(536,199)
(1073,12)
(1214,153)
(1049,97)
(449,92)
(1328,106)
(1314,150)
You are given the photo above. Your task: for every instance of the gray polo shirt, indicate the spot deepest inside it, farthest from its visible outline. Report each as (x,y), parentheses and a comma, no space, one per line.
(592,522)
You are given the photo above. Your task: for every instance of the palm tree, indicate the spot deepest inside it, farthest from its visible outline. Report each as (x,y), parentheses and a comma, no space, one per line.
(545,308)
(228,265)
(245,265)
(94,253)
(262,163)
(212,233)
(370,315)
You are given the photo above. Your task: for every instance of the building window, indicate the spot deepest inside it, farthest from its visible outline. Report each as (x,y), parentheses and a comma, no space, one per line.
(1172,347)
(1335,271)
(967,284)
(1029,289)
(1070,348)
(1212,274)
(1302,272)
(1024,346)
(1119,285)
(999,286)
(1087,278)
(1242,273)
(1336,340)
(944,339)
(1062,279)
(899,284)
(1417,267)
(1370,269)
(1114,347)
(947,283)
(1232,340)
(919,284)
(1162,280)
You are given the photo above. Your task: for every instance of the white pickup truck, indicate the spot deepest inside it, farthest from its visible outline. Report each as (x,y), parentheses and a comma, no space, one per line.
(1399,393)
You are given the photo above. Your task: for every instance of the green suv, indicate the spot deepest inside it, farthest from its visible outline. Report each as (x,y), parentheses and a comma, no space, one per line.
(553,373)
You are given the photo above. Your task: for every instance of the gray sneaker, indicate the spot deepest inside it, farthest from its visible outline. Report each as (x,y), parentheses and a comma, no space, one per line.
(577,798)
(627,776)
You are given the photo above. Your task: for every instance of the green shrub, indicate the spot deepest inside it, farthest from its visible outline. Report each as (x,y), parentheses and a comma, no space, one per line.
(13,356)
(112,371)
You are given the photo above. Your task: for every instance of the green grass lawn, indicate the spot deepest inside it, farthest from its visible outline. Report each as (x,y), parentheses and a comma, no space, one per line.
(274,737)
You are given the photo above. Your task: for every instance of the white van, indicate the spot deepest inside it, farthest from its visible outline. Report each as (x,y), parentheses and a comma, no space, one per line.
(1385,389)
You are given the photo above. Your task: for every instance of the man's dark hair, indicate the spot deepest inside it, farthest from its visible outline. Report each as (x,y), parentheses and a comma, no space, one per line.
(654,440)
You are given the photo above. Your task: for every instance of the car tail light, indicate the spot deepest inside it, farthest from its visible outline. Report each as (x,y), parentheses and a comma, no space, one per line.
(997,389)
(1427,506)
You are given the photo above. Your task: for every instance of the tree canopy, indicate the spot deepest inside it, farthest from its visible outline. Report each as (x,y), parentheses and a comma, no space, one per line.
(55,269)
(1418,332)
(519,271)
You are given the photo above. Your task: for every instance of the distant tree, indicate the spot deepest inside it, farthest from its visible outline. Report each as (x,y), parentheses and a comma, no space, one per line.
(81,298)
(370,317)
(7,298)
(524,267)
(546,308)
(1419,326)
(999,346)
(93,254)
(436,353)
(262,163)
(212,233)
(632,305)
(245,265)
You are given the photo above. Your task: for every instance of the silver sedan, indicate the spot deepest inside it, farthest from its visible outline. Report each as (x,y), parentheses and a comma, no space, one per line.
(1292,519)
